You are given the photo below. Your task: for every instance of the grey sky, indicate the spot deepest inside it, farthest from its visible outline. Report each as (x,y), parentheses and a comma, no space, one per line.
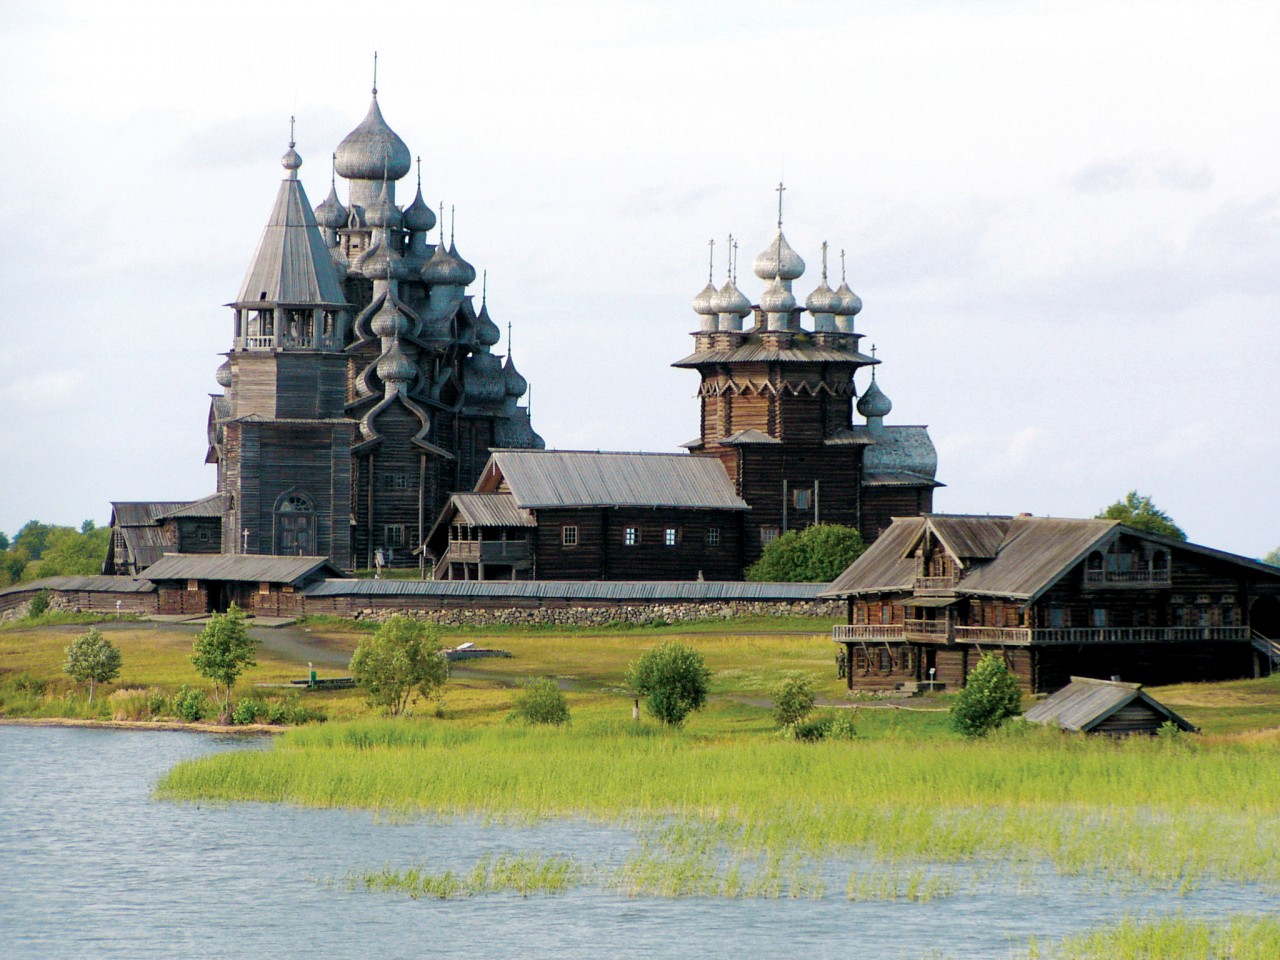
(1063,220)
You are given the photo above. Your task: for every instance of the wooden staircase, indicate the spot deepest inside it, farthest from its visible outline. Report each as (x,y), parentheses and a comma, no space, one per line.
(1268,647)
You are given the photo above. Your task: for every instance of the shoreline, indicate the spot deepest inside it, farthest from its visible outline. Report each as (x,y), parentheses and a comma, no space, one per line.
(250,729)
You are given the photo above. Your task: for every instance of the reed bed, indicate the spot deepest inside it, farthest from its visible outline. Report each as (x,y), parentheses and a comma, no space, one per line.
(523,875)
(1172,814)
(1169,938)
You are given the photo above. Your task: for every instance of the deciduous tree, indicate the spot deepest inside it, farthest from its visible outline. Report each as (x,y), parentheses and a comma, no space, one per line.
(817,554)
(92,659)
(1138,511)
(403,659)
(990,696)
(223,649)
(672,679)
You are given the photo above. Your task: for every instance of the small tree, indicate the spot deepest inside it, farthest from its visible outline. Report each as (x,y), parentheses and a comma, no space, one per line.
(672,679)
(223,649)
(540,700)
(817,554)
(1273,557)
(1139,512)
(92,657)
(402,659)
(793,700)
(990,696)
(39,605)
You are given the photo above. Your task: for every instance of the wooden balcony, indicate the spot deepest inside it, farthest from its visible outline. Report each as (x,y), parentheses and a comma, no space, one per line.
(935,631)
(487,551)
(935,586)
(1105,579)
(844,633)
(927,629)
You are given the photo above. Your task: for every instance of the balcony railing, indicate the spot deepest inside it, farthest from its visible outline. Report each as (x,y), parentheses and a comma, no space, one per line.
(867,631)
(935,586)
(485,551)
(1127,578)
(927,628)
(935,630)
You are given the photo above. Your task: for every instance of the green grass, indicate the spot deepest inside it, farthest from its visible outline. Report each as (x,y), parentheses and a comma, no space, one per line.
(1170,938)
(1169,813)
(522,875)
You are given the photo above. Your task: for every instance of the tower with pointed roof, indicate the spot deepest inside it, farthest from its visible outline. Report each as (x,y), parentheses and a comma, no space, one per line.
(356,345)
(777,402)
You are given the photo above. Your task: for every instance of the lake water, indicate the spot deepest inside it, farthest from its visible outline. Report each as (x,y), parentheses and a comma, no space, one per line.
(91,866)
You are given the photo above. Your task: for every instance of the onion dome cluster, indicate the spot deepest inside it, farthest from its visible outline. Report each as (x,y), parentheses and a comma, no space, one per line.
(395,367)
(778,260)
(418,217)
(443,269)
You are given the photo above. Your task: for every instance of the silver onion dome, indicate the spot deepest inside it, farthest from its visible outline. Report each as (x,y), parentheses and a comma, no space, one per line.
(729,299)
(468,269)
(777,298)
(874,403)
(483,379)
(822,300)
(372,150)
(487,332)
(418,217)
(389,321)
(394,366)
(778,260)
(382,212)
(291,161)
(702,302)
(223,375)
(331,214)
(444,270)
(850,302)
(515,383)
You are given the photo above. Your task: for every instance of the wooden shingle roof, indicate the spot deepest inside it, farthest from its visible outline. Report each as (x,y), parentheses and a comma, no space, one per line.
(246,567)
(1084,703)
(560,478)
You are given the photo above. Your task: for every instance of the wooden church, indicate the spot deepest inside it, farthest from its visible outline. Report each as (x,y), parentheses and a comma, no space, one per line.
(361,390)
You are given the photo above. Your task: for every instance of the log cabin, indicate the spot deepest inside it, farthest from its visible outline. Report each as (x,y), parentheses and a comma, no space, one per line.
(566,515)
(1055,598)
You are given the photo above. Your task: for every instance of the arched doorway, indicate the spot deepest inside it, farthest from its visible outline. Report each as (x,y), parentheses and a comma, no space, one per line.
(295,526)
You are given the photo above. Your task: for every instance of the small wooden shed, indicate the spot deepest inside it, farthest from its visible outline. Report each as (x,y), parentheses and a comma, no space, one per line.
(1104,706)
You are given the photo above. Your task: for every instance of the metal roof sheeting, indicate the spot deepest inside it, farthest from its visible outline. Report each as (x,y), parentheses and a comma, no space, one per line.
(884,566)
(214,505)
(97,583)
(968,538)
(1084,703)
(248,567)
(139,513)
(556,478)
(611,590)
(755,351)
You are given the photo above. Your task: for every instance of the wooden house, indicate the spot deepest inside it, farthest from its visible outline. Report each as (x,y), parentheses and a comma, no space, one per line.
(563,515)
(1056,598)
(1105,706)
(265,586)
(142,532)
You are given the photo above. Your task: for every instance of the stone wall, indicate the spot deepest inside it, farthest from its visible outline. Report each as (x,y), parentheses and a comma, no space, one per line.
(583,614)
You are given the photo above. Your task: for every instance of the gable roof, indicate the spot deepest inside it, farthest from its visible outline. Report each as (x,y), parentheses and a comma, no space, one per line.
(1084,703)
(248,567)
(1015,557)
(143,513)
(560,478)
(491,510)
(214,505)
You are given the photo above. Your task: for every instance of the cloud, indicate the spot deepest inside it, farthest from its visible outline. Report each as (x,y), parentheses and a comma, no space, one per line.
(1163,170)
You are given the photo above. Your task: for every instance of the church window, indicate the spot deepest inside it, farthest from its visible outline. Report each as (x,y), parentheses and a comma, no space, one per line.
(395,481)
(713,536)
(631,536)
(295,526)
(393,535)
(801,498)
(671,536)
(569,536)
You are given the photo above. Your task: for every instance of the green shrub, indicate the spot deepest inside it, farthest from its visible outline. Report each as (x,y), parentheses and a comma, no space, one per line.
(793,699)
(190,704)
(540,700)
(130,704)
(290,711)
(828,725)
(990,696)
(29,683)
(39,604)
(157,703)
(672,679)
(248,711)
